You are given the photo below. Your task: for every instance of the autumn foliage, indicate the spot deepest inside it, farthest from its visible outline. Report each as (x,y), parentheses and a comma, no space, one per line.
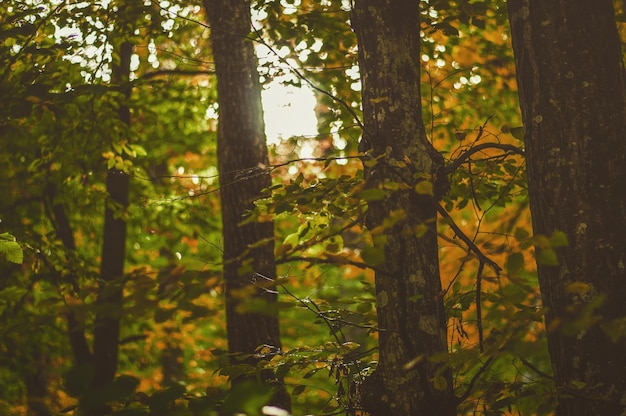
(69,120)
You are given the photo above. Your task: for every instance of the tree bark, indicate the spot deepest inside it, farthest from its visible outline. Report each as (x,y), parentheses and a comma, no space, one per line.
(409,304)
(571,85)
(242,155)
(109,301)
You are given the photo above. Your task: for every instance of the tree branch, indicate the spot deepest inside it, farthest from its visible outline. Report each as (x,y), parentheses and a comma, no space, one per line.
(174,72)
(535,369)
(474,379)
(479,317)
(470,244)
(334,260)
(507,148)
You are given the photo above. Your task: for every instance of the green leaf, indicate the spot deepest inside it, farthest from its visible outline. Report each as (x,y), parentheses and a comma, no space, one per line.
(364,307)
(372,194)
(201,406)
(518,133)
(373,256)
(122,388)
(12,294)
(424,188)
(162,315)
(514,264)
(292,240)
(139,150)
(282,370)
(311,373)
(521,234)
(547,257)
(415,298)
(447,29)
(118,148)
(11,249)
(559,239)
(247,397)
(394,186)
(160,400)
(129,150)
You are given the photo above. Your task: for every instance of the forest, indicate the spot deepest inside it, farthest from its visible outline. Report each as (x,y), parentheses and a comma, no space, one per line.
(449,239)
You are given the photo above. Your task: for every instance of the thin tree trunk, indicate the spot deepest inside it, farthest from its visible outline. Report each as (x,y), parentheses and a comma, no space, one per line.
(36,383)
(108,304)
(410,308)
(172,364)
(75,328)
(242,155)
(571,84)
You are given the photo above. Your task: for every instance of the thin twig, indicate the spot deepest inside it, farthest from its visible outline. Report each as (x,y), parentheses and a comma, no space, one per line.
(535,369)
(173,72)
(312,159)
(470,244)
(334,260)
(474,379)
(479,317)
(479,148)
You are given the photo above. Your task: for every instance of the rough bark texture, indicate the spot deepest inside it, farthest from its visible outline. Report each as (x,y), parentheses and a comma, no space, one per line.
(107,321)
(409,304)
(242,155)
(571,84)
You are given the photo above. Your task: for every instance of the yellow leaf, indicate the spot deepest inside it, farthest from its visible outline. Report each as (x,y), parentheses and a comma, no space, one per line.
(579,288)
(370,163)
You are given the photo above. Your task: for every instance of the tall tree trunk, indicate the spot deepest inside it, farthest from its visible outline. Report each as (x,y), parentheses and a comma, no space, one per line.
(242,155)
(109,302)
(571,85)
(410,308)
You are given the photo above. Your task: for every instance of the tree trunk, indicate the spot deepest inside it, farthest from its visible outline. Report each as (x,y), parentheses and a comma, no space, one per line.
(571,85)
(36,383)
(75,326)
(410,309)
(109,302)
(242,156)
(172,364)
